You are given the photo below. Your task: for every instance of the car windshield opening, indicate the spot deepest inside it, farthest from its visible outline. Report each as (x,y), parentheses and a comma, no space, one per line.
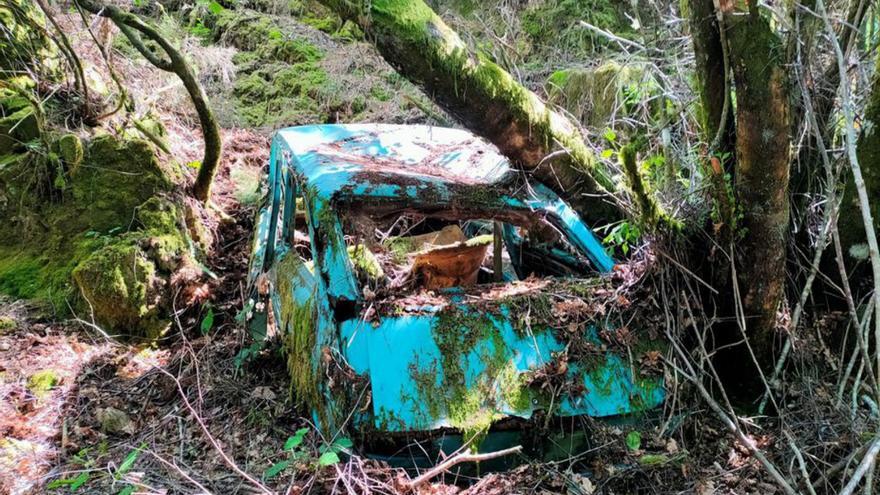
(408,252)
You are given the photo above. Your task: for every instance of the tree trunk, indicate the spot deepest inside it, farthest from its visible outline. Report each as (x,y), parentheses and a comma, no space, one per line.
(711,74)
(761,171)
(851,227)
(128,23)
(487,100)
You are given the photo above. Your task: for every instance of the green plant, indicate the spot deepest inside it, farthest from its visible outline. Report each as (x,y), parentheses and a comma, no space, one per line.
(207,321)
(199,30)
(299,454)
(622,235)
(330,453)
(633,440)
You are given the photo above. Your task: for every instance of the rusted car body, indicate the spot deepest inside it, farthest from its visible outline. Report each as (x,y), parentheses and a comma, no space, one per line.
(419,284)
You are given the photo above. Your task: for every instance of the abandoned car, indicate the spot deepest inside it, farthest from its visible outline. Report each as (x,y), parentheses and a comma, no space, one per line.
(419,284)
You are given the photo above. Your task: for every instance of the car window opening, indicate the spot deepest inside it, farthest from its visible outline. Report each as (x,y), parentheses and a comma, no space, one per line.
(411,252)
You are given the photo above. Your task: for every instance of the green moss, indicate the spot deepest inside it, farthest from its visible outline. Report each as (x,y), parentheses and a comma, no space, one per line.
(400,248)
(7,323)
(41,273)
(119,283)
(18,128)
(298,324)
(108,238)
(380,93)
(25,49)
(42,382)
(328,24)
(281,94)
(70,150)
(348,32)
(554,23)
(115,177)
(246,30)
(595,94)
(469,406)
(365,262)
(291,51)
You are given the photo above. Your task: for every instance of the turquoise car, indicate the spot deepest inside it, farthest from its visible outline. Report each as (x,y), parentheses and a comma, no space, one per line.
(421,287)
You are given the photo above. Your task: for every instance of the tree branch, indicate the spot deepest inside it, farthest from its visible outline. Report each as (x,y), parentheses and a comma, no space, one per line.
(176,63)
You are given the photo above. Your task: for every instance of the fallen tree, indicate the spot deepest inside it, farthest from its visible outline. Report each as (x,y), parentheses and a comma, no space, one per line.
(488,101)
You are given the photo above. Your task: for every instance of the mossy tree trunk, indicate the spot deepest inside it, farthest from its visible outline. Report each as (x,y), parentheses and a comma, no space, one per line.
(761,170)
(711,73)
(851,227)
(487,100)
(131,25)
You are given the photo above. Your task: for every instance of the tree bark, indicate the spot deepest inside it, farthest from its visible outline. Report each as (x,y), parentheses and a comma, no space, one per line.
(128,23)
(711,75)
(761,171)
(487,100)
(850,226)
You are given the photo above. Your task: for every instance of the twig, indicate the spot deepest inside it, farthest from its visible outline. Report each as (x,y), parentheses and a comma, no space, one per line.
(727,420)
(180,471)
(867,461)
(611,36)
(226,459)
(457,459)
(864,203)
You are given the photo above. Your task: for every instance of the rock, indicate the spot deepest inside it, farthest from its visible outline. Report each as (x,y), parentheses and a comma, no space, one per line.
(121,284)
(17,128)
(7,324)
(115,422)
(596,95)
(42,382)
(70,150)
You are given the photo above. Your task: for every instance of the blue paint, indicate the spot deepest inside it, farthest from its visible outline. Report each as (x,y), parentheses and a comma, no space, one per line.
(399,355)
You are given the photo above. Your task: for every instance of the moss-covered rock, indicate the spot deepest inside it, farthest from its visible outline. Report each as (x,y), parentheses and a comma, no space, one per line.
(288,95)
(121,286)
(18,125)
(106,246)
(595,95)
(70,150)
(553,23)
(24,49)
(42,382)
(125,281)
(114,422)
(7,324)
(115,178)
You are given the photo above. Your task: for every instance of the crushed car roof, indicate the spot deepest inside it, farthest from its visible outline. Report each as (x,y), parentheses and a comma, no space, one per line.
(381,160)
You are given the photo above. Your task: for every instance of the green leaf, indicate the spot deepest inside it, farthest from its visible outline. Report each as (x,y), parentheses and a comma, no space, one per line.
(59,483)
(275,34)
(634,440)
(610,135)
(208,321)
(606,154)
(79,481)
(128,490)
(215,8)
(343,443)
(275,469)
(296,439)
(328,458)
(129,461)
